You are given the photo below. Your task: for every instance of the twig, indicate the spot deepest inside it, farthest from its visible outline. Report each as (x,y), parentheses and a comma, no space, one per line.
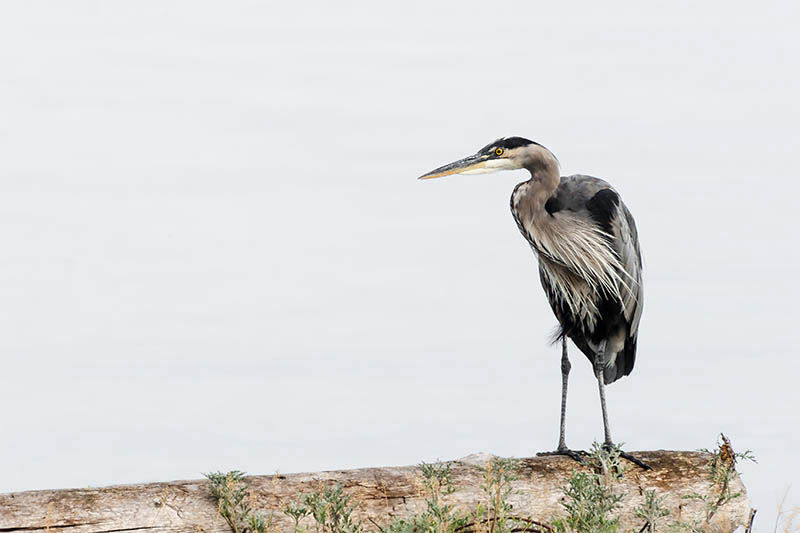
(532,526)
(749,528)
(380,528)
(540,527)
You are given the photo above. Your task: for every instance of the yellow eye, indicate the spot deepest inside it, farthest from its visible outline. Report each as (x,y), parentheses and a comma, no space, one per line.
(498,151)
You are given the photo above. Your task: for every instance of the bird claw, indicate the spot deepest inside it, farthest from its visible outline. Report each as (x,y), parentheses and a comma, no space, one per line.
(577,455)
(635,460)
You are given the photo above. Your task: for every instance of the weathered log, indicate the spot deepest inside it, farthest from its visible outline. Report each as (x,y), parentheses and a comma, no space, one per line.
(383,493)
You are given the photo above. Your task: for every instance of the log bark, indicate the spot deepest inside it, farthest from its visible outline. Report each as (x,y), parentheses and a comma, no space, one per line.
(383,493)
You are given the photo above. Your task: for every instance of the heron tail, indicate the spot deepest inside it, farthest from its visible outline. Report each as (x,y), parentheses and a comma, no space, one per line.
(623,363)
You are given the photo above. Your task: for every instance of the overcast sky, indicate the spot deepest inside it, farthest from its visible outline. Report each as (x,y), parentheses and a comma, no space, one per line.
(215,253)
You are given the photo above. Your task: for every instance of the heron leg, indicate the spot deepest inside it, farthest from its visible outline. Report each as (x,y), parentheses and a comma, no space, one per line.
(599,363)
(565,368)
(562,449)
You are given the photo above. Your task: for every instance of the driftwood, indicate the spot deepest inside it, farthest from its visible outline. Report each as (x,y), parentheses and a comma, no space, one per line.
(383,493)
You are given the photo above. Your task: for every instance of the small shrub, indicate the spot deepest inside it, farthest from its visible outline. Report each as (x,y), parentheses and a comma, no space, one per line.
(331,508)
(588,504)
(234,505)
(490,516)
(652,511)
(439,516)
(590,499)
(495,515)
(720,471)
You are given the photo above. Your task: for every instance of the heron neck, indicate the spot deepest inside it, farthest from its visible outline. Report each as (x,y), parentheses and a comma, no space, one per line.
(545,178)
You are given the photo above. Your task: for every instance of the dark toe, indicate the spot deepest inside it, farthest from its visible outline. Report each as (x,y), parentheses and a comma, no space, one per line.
(576,455)
(635,460)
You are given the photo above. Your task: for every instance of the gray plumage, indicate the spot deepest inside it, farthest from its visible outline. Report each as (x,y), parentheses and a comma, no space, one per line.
(590,264)
(590,267)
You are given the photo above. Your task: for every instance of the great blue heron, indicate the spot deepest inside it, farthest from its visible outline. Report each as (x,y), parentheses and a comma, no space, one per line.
(589,260)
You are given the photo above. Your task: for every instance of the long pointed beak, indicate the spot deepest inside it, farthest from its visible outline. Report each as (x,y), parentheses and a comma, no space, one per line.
(468,165)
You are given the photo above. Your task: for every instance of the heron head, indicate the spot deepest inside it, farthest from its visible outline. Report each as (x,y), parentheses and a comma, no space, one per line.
(507,153)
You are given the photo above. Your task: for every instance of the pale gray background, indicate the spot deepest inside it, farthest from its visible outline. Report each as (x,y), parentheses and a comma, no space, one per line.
(215,253)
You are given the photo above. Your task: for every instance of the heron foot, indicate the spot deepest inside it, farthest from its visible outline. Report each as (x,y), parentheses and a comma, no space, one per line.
(635,460)
(625,455)
(577,455)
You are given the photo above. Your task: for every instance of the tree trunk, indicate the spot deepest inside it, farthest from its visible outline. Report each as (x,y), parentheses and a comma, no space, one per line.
(383,493)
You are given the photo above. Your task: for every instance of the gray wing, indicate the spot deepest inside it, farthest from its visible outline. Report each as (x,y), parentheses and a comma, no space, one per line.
(575,191)
(626,241)
(595,199)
